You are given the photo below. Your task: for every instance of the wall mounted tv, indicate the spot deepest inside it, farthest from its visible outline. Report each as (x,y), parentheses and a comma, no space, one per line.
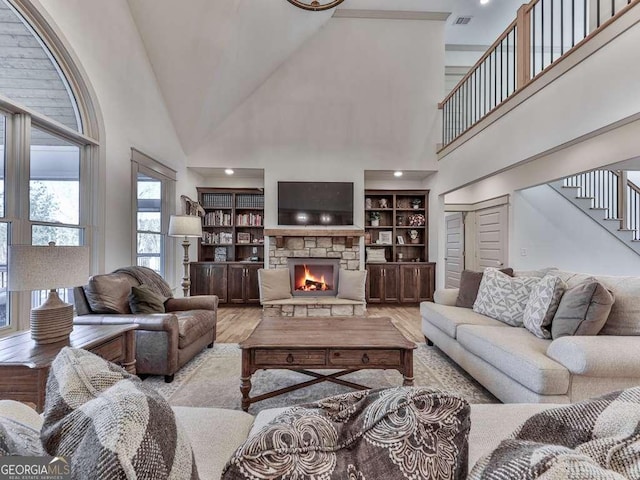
(315,203)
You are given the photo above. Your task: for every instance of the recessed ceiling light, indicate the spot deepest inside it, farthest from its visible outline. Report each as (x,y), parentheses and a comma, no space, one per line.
(397,173)
(484,2)
(229,171)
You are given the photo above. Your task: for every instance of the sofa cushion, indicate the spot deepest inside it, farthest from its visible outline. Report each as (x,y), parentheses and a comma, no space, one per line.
(503,297)
(109,293)
(275,284)
(192,325)
(583,310)
(393,433)
(519,355)
(109,424)
(351,284)
(470,284)
(144,299)
(593,439)
(448,318)
(17,438)
(543,304)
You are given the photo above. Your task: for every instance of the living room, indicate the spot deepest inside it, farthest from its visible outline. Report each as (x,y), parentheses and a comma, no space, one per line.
(348,94)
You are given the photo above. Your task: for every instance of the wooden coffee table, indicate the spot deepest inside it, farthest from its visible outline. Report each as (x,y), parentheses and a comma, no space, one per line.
(349,343)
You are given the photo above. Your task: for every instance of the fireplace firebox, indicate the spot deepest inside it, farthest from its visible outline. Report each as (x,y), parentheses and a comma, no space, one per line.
(314,276)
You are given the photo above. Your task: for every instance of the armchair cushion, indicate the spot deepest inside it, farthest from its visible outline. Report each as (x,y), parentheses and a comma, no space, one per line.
(199,302)
(192,325)
(144,299)
(109,293)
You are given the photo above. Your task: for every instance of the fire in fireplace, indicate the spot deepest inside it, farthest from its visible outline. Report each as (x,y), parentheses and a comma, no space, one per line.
(314,276)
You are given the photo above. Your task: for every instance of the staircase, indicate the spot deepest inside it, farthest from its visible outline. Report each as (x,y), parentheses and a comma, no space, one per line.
(609,198)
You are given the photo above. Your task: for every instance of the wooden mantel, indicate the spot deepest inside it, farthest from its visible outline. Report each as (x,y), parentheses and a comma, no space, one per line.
(280,233)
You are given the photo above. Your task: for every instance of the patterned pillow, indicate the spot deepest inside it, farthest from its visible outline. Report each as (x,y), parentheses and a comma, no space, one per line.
(543,304)
(395,433)
(19,439)
(109,424)
(503,297)
(144,299)
(594,439)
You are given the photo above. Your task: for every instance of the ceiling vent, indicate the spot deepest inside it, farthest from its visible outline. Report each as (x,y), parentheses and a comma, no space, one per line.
(462,21)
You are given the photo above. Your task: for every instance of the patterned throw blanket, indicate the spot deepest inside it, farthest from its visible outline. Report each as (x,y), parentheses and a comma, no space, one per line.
(149,277)
(397,433)
(596,439)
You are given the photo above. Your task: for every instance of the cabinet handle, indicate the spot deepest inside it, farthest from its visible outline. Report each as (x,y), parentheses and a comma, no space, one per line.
(289,358)
(365,358)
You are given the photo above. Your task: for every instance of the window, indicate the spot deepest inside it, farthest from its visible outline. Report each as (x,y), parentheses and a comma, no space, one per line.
(154,186)
(45,159)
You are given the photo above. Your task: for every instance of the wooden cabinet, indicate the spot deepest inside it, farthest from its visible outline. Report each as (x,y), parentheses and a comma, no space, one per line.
(417,282)
(382,283)
(209,278)
(243,283)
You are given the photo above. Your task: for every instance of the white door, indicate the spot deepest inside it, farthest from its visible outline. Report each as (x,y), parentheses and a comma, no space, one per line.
(454,260)
(491,237)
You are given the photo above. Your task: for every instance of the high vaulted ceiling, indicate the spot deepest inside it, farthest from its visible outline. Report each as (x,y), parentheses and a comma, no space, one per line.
(210,55)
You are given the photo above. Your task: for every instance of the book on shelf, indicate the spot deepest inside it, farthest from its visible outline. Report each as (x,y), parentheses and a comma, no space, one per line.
(249,220)
(220,254)
(217,218)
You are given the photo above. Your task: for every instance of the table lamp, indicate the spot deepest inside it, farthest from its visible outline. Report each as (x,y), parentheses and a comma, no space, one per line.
(38,267)
(185,226)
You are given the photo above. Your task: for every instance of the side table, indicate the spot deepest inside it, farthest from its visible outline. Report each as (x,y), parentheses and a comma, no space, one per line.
(24,366)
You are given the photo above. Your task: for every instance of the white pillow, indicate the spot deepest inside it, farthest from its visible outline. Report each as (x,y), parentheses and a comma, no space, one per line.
(351,284)
(274,284)
(542,305)
(503,297)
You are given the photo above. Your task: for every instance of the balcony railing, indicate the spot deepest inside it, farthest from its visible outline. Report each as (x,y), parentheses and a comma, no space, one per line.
(543,32)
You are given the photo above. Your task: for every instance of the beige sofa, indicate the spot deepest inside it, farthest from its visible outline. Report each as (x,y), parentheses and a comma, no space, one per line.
(215,433)
(518,367)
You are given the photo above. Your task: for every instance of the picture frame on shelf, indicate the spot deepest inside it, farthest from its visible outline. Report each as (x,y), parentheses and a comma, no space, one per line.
(400,239)
(386,237)
(244,237)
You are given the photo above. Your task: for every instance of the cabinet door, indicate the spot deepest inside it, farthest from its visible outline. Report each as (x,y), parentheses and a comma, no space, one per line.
(209,279)
(251,289)
(409,284)
(236,283)
(390,283)
(374,283)
(426,282)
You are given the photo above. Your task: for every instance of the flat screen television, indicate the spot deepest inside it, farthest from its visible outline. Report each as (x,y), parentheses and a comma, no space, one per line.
(315,203)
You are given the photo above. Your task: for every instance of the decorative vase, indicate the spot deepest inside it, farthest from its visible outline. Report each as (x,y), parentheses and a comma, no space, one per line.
(367,203)
(375,223)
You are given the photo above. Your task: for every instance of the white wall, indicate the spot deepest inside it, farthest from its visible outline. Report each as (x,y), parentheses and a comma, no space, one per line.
(554,232)
(360,94)
(105,40)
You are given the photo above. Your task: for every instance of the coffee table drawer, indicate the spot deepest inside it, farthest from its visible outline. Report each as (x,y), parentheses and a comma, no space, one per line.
(354,358)
(289,357)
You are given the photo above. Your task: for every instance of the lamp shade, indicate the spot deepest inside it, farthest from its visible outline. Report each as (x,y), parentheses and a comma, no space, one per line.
(37,267)
(185,226)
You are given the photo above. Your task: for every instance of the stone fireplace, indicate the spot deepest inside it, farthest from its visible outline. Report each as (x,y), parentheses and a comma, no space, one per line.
(311,277)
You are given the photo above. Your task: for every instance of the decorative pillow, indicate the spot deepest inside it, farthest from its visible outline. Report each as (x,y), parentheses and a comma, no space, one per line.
(275,284)
(503,297)
(109,293)
(543,304)
(394,433)
(593,439)
(351,284)
(19,439)
(109,424)
(469,286)
(375,255)
(583,310)
(144,299)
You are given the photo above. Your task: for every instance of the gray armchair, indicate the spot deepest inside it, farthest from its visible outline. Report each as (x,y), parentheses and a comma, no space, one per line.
(164,341)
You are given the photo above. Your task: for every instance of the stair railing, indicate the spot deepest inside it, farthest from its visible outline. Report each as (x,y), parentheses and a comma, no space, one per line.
(613,191)
(543,32)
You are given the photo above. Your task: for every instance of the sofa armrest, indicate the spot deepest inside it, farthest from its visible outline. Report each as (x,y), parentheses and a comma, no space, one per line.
(199,302)
(598,355)
(446,296)
(148,321)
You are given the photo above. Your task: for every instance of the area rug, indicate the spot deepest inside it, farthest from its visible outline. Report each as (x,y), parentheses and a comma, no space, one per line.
(212,379)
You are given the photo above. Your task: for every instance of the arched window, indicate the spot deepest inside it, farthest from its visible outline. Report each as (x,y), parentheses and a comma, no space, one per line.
(45,153)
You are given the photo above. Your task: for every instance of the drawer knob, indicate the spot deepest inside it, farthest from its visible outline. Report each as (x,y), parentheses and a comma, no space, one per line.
(365,358)
(289,358)
(336,354)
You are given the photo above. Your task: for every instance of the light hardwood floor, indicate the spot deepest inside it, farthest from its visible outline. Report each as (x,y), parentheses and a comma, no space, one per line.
(236,323)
